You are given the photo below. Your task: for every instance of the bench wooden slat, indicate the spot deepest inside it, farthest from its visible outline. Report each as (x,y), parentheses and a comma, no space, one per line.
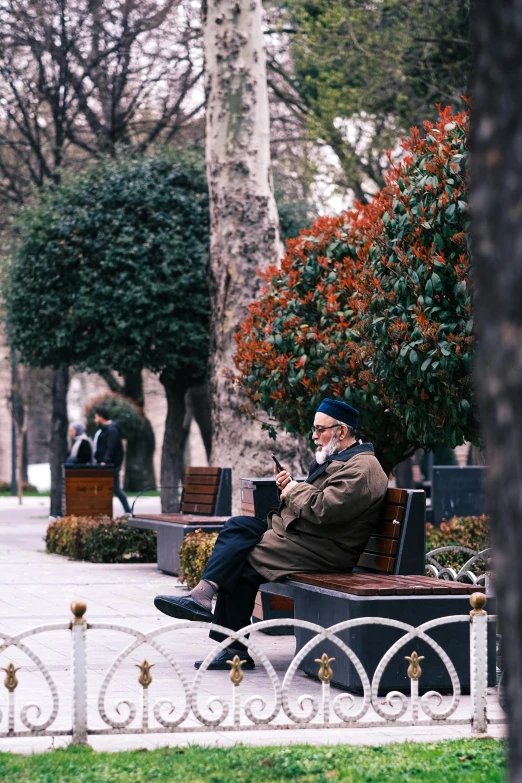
(195,497)
(357,584)
(197,508)
(377,562)
(382,546)
(200,489)
(396,496)
(208,481)
(368,584)
(387,529)
(392,512)
(202,472)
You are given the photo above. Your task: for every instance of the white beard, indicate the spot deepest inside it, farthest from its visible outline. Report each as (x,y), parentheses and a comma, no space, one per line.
(321,455)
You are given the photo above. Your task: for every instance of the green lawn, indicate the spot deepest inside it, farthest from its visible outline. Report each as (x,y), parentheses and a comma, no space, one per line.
(465,761)
(27,493)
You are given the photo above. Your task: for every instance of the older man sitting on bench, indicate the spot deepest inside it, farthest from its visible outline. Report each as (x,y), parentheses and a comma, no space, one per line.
(322,525)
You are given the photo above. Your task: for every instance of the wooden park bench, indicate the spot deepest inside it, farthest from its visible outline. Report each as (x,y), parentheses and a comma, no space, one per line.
(389,582)
(206,502)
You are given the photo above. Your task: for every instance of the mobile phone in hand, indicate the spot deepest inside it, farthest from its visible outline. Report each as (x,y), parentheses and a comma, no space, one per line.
(277,463)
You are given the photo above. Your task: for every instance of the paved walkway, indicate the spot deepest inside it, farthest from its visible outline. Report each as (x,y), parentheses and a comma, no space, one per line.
(37,588)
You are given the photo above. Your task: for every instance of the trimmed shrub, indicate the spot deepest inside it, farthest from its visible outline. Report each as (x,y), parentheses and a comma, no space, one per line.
(100,540)
(194,554)
(471,532)
(122,410)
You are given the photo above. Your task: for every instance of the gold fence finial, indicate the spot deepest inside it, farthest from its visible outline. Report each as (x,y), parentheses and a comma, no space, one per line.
(145,677)
(478,602)
(414,670)
(11,680)
(325,672)
(78,608)
(236,674)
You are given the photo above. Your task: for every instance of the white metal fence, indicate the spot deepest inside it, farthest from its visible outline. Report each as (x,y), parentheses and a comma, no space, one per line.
(80,706)
(479,560)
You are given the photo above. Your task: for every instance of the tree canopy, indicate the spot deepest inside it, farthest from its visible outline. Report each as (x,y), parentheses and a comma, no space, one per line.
(374,306)
(361,74)
(113,262)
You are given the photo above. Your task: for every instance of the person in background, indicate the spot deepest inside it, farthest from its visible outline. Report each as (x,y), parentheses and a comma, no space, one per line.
(109,450)
(81,448)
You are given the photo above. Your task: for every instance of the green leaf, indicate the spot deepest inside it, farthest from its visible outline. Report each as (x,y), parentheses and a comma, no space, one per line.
(436,282)
(439,242)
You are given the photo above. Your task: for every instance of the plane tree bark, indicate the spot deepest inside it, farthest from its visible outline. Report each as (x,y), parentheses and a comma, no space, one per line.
(243,213)
(496,177)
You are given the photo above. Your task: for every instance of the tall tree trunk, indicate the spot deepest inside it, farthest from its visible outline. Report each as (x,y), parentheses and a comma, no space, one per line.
(497,255)
(59,426)
(199,397)
(174,441)
(139,461)
(243,214)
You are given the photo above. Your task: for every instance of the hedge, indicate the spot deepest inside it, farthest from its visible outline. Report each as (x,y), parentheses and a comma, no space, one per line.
(471,532)
(100,540)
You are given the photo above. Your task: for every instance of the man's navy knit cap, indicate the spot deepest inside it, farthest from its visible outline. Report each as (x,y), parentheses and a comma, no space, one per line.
(340,410)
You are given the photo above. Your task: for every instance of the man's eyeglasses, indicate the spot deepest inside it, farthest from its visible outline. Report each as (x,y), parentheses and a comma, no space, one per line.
(319,430)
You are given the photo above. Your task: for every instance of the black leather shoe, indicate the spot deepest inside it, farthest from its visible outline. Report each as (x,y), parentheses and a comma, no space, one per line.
(183,608)
(220,661)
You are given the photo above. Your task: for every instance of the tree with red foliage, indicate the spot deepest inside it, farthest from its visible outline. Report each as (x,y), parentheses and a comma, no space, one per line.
(374,307)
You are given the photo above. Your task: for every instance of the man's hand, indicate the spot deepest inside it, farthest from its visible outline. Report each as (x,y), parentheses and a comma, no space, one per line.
(282,478)
(288,487)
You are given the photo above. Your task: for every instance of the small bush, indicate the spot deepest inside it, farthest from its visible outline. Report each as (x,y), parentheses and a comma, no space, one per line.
(121,409)
(471,532)
(194,554)
(100,540)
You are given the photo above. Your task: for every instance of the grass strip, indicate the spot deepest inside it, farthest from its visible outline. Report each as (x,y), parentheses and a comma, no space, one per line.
(465,761)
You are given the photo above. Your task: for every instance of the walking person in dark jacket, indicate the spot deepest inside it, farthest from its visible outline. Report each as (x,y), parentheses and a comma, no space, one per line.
(109,450)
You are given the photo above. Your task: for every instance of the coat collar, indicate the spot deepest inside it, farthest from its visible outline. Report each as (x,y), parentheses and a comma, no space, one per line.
(343,456)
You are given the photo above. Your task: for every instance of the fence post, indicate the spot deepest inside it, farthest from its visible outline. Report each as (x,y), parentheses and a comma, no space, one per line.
(79,650)
(478,659)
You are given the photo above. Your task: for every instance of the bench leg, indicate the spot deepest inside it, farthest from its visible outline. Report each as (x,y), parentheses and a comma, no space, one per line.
(169,540)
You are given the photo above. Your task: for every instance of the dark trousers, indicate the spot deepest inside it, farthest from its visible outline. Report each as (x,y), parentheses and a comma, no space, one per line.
(118,491)
(238,581)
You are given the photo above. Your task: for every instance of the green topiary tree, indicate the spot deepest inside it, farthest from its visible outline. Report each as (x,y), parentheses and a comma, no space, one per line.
(110,273)
(374,307)
(120,409)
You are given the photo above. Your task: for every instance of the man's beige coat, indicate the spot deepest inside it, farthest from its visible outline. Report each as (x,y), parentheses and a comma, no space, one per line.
(324,526)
